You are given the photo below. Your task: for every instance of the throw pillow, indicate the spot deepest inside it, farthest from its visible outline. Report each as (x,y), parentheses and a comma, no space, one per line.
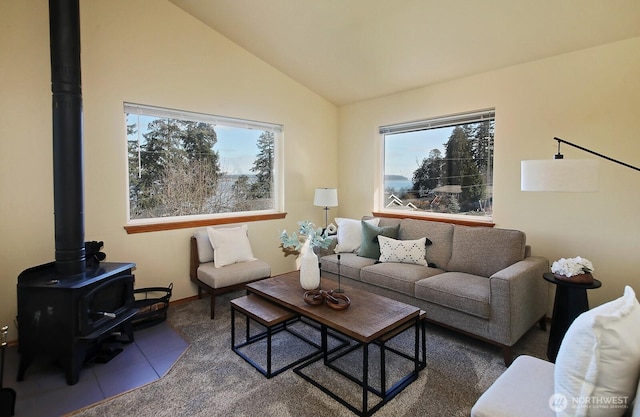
(403,251)
(230,245)
(598,363)
(350,234)
(369,246)
(205,250)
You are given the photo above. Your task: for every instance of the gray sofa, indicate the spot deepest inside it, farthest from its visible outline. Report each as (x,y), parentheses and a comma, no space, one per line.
(481,281)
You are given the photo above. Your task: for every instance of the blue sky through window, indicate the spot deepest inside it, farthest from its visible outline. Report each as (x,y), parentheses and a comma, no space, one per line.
(404,152)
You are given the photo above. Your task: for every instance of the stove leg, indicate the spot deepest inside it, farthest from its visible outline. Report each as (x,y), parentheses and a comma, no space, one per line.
(72,363)
(25,361)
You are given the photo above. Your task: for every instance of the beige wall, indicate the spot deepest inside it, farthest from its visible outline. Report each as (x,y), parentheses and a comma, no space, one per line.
(591,97)
(149,52)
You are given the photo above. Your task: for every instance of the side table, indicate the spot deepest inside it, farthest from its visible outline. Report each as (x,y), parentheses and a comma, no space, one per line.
(570,301)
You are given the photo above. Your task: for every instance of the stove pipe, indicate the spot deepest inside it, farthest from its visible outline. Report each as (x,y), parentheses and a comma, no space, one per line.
(68,183)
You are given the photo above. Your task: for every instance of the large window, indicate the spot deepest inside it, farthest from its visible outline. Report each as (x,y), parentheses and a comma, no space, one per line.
(191,164)
(442,165)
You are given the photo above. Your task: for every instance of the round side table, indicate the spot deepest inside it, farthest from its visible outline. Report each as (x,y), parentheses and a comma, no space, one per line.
(571,301)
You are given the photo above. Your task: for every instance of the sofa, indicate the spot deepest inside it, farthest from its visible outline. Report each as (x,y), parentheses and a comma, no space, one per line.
(481,281)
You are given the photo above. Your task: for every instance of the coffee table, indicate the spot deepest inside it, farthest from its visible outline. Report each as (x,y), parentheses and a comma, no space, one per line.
(370,319)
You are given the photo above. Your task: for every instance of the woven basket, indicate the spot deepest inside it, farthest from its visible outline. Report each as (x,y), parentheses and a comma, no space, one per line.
(577,279)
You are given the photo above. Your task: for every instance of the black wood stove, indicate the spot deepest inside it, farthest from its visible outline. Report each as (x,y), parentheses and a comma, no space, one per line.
(64,307)
(69,317)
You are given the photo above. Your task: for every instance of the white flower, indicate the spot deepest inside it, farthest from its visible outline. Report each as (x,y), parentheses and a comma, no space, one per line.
(572,266)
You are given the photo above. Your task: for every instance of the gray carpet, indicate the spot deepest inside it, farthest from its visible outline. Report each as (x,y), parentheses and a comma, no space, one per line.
(211,380)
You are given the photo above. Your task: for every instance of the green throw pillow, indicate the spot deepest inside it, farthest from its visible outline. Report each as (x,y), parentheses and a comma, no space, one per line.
(370,248)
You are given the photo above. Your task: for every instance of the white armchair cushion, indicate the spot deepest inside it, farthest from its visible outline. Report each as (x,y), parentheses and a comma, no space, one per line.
(523,390)
(599,359)
(230,245)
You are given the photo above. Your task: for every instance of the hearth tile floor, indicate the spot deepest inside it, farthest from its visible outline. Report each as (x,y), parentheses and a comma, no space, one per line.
(44,391)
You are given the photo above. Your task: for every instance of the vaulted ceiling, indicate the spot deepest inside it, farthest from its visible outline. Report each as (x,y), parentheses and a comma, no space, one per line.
(351,50)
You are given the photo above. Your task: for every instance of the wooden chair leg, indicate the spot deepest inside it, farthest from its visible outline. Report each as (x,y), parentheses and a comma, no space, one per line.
(213,305)
(507,354)
(543,323)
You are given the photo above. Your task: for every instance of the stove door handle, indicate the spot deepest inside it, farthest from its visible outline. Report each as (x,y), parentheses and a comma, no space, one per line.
(105,314)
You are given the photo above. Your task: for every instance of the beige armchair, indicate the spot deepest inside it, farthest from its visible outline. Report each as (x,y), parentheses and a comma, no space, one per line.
(232,273)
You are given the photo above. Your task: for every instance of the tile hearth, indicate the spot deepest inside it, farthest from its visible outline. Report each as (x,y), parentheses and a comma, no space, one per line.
(44,391)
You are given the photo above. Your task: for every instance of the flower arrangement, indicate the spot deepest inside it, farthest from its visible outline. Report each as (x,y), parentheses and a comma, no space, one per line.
(572,266)
(307,231)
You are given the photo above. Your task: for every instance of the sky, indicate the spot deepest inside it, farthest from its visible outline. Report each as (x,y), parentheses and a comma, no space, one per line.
(237,148)
(402,150)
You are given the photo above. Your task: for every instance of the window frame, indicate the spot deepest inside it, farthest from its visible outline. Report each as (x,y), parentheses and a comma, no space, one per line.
(380,208)
(201,220)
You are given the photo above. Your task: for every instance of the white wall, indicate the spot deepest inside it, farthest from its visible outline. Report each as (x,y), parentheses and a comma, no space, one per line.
(590,97)
(148,52)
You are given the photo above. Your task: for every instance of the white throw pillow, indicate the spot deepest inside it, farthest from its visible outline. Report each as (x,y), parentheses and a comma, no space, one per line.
(230,245)
(598,364)
(403,251)
(350,234)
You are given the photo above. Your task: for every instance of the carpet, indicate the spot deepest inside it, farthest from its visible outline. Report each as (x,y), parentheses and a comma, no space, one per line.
(211,380)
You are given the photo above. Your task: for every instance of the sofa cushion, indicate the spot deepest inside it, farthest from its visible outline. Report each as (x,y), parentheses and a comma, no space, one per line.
(457,290)
(350,264)
(403,251)
(396,276)
(484,251)
(370,247)
(350,234)
(440,234)
(599,357)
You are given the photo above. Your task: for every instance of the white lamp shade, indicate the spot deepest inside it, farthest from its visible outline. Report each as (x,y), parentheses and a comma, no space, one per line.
(326,197)
(563,175)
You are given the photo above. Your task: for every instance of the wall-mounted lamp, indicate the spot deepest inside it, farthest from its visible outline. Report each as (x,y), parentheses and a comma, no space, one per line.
(326,197)
(565,175)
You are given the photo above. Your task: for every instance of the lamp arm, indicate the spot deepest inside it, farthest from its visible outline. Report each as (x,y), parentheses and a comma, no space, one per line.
(594,153)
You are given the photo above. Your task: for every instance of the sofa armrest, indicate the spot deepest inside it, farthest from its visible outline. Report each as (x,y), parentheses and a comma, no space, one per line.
(518,298)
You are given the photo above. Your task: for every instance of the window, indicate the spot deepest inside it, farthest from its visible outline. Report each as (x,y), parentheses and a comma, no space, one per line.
(442,165)
(191,164)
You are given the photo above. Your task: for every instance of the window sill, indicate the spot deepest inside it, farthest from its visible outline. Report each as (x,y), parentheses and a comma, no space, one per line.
(431,217)
(187,224)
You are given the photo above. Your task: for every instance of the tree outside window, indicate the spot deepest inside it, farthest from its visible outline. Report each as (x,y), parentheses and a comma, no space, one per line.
(185,164)
(440,165)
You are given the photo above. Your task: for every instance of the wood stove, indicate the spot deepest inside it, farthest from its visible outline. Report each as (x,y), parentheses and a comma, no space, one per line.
(64,307)
(67,318)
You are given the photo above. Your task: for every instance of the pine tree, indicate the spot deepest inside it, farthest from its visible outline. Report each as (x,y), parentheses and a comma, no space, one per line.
(461,168)
(263,166)
(429,174)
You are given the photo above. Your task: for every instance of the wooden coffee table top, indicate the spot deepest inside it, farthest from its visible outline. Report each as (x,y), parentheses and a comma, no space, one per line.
(368,318)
